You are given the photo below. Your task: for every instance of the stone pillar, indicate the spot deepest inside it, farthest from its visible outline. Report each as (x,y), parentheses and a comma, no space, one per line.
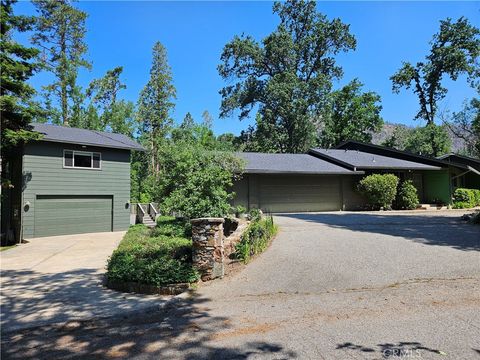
(208,252)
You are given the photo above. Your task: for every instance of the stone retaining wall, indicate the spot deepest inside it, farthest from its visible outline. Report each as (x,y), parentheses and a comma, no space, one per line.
(208,253)
(211,248)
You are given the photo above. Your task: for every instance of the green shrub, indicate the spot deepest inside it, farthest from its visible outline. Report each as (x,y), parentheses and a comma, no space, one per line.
(171,226)
(379,189)
(240,210)
(407,197)
(158,260)
(255,214)
(476,195)
(466,198)
(256,238)
(461,205)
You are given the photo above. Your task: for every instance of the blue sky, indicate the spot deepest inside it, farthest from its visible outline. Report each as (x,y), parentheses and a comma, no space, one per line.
(194,33)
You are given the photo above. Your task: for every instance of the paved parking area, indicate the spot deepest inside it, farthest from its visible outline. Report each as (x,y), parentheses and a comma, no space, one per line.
(331,286)
(59,278)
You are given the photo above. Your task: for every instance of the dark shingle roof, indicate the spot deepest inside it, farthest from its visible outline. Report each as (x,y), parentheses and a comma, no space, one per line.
(65,134)
(471,163)
(394,153)
(364,160)
(262,163)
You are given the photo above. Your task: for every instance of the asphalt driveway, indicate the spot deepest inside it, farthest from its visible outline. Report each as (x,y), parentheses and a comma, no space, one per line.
(58,279)
(331,286)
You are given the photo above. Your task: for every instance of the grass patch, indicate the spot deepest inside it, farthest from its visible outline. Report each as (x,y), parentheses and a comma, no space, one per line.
(149,257)
(256,238)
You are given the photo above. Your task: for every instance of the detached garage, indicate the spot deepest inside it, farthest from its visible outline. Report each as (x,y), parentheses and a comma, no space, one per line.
(72,181)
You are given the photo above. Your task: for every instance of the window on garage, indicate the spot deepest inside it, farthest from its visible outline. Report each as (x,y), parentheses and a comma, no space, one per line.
(82,159)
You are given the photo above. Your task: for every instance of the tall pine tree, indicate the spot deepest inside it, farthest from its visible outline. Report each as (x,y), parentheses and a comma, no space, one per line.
(17,63)
(155,105)
(115,115)
(60,34)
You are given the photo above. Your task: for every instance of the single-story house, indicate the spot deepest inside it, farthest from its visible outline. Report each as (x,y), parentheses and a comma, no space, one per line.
(326,179)
(71,181)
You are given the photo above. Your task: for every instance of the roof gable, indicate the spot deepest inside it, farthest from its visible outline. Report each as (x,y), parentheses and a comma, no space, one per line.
(393,153)
(461,159)
(63,134)
(361,160)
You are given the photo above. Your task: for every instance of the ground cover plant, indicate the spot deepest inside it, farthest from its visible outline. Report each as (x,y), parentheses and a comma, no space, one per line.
(256,238)
(153,257)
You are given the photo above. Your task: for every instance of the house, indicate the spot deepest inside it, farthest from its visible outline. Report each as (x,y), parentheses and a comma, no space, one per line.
(326,179)
(71,181)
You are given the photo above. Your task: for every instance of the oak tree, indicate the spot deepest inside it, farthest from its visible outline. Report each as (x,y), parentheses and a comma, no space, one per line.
(454,51)
(287,75)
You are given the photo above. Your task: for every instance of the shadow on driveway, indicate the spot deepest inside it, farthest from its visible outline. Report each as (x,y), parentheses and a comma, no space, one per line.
(440,230)
(184,330)
(31,298)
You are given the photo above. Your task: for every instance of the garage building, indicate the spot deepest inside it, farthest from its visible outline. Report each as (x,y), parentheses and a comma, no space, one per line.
(72,181)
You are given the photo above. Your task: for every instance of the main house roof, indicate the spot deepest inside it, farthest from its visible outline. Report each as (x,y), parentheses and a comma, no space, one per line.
(63,134)
(360,160)
(264,163)
(351,157)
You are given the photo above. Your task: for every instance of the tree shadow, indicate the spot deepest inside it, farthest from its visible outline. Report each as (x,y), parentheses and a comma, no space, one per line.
(31,298)
(426,229)
(402,349)
(185,329)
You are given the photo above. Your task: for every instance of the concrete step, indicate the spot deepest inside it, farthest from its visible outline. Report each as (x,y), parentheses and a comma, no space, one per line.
(432,207)
(147,220)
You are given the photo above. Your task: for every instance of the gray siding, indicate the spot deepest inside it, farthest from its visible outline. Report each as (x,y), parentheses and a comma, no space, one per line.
(44,174)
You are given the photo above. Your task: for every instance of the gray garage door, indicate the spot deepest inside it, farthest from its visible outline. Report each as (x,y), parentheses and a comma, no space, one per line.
(299,193)
(62,215)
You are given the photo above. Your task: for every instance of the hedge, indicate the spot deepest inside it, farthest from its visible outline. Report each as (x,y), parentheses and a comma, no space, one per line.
(153,260)
(466,198)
